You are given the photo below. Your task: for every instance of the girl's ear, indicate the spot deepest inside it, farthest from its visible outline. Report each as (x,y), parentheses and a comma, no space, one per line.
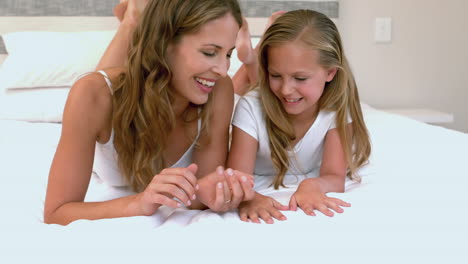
(331,74)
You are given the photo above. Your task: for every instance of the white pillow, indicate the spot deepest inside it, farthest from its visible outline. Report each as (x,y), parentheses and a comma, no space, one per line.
(41,67)
(50,59)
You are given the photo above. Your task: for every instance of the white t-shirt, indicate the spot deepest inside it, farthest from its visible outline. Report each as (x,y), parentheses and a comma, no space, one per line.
(306,157)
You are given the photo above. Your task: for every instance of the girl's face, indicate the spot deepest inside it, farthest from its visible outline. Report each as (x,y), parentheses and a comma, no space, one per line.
(296,78)
(199,59)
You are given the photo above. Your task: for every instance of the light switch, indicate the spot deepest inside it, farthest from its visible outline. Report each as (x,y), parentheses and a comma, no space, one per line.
(383,30)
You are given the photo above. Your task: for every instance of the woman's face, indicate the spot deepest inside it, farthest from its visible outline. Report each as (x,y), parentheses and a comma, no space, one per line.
(199,59)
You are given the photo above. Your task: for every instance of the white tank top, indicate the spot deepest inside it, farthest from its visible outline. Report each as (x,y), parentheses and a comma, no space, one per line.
(105,159)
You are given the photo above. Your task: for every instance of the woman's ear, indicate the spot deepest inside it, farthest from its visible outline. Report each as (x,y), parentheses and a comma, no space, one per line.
(331,73)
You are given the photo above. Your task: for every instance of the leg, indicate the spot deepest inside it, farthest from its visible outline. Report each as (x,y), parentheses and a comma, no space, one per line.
(128,12)
(247,75)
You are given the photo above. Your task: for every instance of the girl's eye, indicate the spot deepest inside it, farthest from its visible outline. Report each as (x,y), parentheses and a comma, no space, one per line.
(300,79)
(274,76)
(229,55)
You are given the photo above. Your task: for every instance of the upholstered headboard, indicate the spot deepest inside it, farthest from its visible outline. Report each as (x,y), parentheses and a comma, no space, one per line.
(81,15)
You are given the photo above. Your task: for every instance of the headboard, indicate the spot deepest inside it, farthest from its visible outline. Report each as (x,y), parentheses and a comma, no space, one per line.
(87,15)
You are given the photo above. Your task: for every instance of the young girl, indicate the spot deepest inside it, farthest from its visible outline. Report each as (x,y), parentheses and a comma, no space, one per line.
(305,118)
(160,123)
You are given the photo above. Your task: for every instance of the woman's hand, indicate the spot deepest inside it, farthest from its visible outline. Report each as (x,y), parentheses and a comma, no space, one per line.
(309,197)
(223,190)
(179,183)
(263,207)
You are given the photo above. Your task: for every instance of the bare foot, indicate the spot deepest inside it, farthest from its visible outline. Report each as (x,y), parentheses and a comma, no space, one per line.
(119,10)
(245,52)
(129,11)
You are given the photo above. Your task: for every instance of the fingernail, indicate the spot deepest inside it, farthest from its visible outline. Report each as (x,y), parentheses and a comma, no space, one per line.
(197,187)
(220,185)
(179,205)
(219,170)
(230,172)
(189,203)
(243,179)
(194,197)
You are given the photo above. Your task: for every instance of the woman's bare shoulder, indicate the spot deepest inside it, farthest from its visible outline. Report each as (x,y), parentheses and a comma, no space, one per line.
(89,101)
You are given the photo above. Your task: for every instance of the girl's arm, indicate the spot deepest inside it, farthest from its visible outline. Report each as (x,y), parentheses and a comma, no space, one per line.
(242,157)
(333,169)
(310,194)
(213,152)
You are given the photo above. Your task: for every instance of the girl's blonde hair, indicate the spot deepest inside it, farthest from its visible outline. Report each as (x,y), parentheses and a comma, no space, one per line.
(143,115)
(340,95)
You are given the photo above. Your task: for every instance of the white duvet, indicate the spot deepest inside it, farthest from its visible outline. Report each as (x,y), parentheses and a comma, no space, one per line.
(410,208)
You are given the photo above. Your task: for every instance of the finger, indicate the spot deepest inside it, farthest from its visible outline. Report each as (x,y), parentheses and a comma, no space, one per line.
(226,192)
(254,217)
(277,214)
(280,206)
(158,198)
(219,198)
(243,216)
(185,172)
(324,210)
(220,170)
(193,168)
(340,202)
(308,210)
(237,192)
(182,183)
(173,191)
(250,177)
(334,206)
(293,203)
(265,215)
(247,189)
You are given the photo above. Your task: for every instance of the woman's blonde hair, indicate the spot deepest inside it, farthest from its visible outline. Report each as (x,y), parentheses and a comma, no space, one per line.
(143,115)
(340,95)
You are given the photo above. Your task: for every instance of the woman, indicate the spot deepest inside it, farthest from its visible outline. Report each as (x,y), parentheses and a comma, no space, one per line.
(160,123)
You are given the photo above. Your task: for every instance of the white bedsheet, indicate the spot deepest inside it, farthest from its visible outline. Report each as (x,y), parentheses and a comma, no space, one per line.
(409,208)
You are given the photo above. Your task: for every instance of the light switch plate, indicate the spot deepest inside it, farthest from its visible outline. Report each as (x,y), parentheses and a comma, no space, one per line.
(383,30)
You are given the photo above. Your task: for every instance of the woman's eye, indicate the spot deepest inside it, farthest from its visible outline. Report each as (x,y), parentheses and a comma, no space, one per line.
(209,54)
(229,55)
(274,76)
(300,79)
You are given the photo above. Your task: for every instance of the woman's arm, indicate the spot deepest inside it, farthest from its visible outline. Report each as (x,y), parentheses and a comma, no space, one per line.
(86,119)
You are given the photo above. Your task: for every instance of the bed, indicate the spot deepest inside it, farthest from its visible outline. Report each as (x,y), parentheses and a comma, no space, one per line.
(409,208)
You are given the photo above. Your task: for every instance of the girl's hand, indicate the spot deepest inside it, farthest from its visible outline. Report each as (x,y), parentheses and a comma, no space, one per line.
(223,190)
(309,198)
(179,183)
(263,207)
